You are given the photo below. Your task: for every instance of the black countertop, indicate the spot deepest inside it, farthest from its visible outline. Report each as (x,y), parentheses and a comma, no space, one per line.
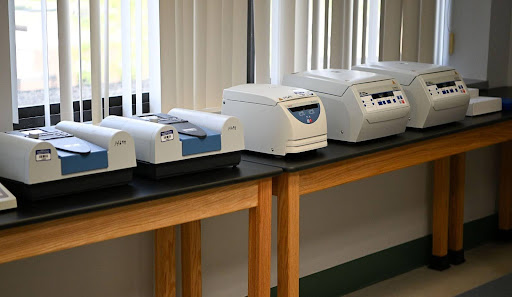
(139,190)
(503,92)
(338,151)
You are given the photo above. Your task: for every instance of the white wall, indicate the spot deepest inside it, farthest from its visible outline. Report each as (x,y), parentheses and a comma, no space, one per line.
(483,40)
(499,43)
(470,23)
(337,225)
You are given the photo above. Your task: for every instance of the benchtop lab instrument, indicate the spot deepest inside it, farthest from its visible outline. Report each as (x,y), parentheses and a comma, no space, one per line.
(437,94)
(360,105)
(68,158)
(278,120)
(182,141)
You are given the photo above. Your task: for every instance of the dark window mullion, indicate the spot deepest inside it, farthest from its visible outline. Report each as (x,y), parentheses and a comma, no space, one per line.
(33,116)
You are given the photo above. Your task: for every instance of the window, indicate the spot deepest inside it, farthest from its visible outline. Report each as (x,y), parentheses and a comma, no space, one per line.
(37,55)
(156,55)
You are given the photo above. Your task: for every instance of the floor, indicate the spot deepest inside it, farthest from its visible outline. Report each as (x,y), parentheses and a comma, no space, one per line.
(483,264)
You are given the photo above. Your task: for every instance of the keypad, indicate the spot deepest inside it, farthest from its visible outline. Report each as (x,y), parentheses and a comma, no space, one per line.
(446,92)
(390,102)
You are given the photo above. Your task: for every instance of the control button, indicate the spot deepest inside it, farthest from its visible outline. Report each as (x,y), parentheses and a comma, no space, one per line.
(311,111)
(451,90)
(380,102)
(389,101)
(444,92)
(302,113)
(403,101)
(365,105)
(394,100)
(456,90)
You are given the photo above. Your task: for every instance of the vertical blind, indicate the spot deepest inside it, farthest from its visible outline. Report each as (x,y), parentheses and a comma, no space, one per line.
(203,49)
(407,30)
(318,34)
(196,49)
(199,47)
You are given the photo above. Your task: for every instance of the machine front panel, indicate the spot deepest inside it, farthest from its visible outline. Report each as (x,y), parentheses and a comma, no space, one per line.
(379,98)
(444,86)
(306,113)
(184,127)
(76,155)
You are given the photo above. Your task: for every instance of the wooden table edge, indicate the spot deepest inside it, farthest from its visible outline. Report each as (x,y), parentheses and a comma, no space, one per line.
(55,235)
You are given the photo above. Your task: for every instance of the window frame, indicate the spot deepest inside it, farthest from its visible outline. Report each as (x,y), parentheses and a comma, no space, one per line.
(34,116)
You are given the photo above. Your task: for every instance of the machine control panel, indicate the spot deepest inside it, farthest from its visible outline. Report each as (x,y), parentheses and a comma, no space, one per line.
(44,134)
(445,90)
(184,127)
(59,139)
(306,113)
(374,101)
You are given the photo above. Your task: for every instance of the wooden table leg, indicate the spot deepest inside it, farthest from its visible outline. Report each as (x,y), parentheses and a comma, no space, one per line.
(165,262)
(260,234)
(288,235)
(191,259)
(439,259)
(456,216)
(505,198)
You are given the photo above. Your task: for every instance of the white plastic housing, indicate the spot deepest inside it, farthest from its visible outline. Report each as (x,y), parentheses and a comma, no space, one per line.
(7,199)
(483,105)
(431,105)
(18,159)
(151,146)
(230,127)
(353,115)
(269,126)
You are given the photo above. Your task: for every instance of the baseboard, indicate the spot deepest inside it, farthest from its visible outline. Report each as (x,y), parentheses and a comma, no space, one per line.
(365,271)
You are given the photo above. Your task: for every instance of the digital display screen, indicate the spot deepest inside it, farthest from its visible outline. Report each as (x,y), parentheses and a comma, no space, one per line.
(382,95)
(446,84)
(304,107)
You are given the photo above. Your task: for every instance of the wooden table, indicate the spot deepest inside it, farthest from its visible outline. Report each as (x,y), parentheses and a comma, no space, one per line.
(144,205)
(341,163)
